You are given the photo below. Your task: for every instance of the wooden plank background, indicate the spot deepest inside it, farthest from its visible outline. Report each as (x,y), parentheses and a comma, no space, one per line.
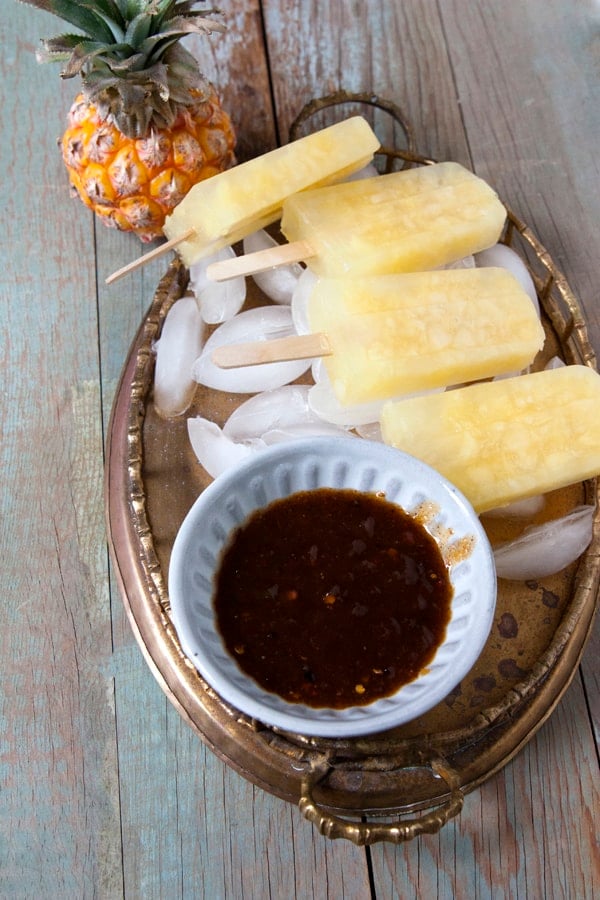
(104,791)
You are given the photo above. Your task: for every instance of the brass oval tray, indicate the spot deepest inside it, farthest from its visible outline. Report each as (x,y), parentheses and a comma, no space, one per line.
(540,629)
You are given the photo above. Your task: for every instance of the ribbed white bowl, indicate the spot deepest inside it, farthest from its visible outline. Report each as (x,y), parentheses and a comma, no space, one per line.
(339,463)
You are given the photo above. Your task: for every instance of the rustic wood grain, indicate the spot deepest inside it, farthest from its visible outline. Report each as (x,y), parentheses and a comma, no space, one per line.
(59,773)
(531,114)
(396,50)
(508,840)
(105,790)
(591,678)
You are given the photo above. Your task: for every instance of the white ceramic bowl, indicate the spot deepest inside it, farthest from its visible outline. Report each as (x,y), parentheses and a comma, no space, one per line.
(339,463)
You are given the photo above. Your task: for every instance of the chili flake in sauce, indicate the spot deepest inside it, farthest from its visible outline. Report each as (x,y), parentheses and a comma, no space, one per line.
(332,597)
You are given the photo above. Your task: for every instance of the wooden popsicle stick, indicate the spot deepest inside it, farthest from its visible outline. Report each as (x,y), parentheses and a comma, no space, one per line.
(254,353)
(271,258)
(153,254)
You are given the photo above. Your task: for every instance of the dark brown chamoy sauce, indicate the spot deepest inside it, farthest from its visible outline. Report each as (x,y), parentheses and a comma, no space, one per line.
(332,597)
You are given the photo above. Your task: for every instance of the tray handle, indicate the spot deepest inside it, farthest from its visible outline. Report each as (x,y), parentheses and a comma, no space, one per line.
(366,833)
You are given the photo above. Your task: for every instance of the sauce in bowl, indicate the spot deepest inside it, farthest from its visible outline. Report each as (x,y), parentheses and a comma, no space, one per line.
(332,597)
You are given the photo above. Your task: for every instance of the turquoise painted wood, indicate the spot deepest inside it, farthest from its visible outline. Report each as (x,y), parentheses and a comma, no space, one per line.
(104,790)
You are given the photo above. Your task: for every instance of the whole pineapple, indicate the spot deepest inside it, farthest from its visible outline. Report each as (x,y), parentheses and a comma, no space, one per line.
(147,125)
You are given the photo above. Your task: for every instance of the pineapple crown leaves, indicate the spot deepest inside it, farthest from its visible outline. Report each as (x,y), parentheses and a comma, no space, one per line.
(133,68)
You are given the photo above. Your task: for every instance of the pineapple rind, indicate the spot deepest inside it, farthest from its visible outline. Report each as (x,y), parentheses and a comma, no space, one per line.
(139,82)
(133,185)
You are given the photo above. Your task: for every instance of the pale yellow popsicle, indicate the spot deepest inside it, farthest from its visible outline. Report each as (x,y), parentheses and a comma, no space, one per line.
(225,208)
(505,440)
(407,221)
(402,334)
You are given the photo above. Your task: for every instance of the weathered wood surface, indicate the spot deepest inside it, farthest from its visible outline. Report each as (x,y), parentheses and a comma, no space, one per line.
(104,791)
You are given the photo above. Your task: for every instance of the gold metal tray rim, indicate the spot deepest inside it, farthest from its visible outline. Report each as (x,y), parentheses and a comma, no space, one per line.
(269,757)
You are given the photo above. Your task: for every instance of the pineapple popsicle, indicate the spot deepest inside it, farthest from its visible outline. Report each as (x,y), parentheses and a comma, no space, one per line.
(407,221)
(401,334)
(225,208)
(505,440)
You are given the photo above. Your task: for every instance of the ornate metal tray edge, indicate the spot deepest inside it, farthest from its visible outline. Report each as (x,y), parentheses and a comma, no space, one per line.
(294,767)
